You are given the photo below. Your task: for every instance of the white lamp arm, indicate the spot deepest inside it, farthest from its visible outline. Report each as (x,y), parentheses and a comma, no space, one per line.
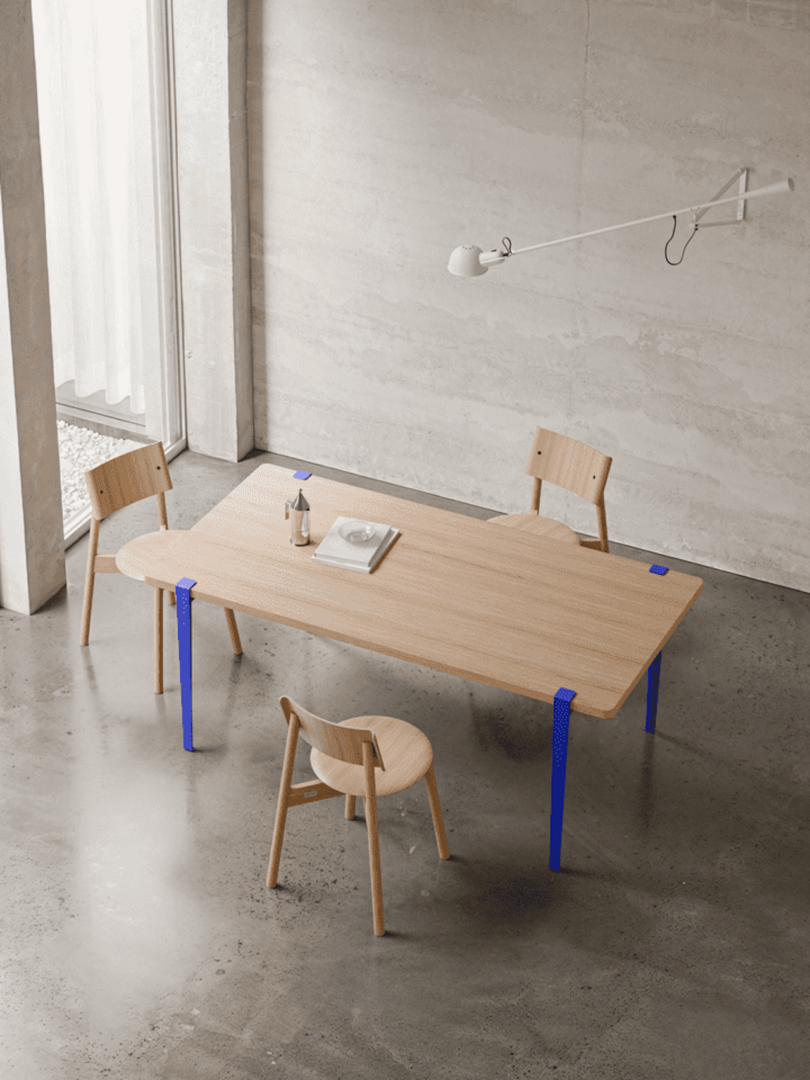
(780,187)
(470,261)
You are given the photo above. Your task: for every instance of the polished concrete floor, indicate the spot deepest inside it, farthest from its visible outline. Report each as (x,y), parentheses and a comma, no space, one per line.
(139,940)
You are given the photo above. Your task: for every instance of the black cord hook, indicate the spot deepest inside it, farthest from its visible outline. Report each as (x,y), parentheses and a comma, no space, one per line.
(506,243)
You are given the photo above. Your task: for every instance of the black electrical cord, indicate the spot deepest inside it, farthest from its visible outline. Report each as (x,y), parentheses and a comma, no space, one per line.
(685,246)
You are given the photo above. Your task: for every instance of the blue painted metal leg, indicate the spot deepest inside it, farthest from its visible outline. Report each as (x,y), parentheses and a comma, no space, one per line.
(182,593)
(653,678)
(562,713)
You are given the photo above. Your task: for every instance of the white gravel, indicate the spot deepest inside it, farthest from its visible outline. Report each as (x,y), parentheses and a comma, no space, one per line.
(81,449)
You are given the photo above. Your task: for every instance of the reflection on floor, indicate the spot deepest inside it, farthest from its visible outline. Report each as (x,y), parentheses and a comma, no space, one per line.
(141,942)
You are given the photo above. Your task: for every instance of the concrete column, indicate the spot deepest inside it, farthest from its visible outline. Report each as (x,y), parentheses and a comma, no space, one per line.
(210,69)
(32,551)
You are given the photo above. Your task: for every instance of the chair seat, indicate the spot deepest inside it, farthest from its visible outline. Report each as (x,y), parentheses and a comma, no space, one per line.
(406,754)
(538,526)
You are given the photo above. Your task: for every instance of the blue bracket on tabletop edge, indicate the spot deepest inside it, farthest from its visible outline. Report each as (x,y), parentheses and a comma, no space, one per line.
(654,672)
(559,759)
(182,592)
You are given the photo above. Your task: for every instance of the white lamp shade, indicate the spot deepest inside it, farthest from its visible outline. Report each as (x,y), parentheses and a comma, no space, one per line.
(465,261)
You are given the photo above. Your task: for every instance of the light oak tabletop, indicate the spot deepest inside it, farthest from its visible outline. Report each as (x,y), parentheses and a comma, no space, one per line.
(525,613)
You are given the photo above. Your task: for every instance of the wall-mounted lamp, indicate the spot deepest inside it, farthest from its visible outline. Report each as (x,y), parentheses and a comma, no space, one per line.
(470,261)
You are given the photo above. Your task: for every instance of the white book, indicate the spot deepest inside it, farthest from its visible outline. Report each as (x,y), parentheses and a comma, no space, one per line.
(336,551)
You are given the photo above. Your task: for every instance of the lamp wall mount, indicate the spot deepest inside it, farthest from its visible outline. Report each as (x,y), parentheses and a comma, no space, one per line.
(742,176)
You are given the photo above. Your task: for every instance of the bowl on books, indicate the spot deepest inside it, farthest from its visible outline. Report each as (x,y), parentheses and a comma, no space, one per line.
(356,532)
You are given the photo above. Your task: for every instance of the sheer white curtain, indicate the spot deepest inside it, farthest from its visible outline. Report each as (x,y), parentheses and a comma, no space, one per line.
(97,162)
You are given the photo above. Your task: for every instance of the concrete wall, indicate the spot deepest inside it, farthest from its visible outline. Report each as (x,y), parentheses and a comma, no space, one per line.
(32,554)
(210,60)
(384,134)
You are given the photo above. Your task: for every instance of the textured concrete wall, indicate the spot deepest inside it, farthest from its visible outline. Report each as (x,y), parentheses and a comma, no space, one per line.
(384,134)
(210,62)
(32,554)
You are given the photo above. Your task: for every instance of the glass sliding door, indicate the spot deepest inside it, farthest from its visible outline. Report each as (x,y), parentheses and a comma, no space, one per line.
(104,74)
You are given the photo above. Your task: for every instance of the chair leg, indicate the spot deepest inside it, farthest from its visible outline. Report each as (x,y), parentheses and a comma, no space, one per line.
(234,632)
(278,840)
(158,641)
(602,517)
(350,807)
(283,801)
(89,582)
(370,805)
(172,600)
(436,812)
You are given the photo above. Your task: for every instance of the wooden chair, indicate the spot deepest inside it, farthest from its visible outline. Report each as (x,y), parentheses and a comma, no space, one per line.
(573,466)
(112,486)
(345,757)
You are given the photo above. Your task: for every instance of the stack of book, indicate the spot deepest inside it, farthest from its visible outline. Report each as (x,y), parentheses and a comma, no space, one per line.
(337,551)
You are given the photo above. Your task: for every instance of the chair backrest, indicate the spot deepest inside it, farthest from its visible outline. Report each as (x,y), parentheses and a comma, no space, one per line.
(569,464)
(334,740)
(127,479)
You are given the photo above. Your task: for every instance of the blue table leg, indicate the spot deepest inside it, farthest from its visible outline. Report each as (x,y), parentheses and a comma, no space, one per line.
(559,758)
(653,678)
(182,592)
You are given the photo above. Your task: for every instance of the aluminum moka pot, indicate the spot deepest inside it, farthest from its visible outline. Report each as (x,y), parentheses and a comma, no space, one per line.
(297,511)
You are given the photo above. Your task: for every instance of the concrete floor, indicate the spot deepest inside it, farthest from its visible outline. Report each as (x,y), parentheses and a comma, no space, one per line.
(139,940)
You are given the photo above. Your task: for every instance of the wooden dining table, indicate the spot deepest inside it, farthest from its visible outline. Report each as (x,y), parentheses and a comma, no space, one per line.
(536,616)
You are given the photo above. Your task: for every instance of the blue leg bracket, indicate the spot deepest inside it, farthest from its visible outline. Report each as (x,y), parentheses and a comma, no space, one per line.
(653,679)
(182,592)
(559,758)
(654,670)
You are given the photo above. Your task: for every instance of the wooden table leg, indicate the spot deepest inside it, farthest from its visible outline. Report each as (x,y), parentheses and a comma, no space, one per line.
(182,592)
(653,679)
(559,758)
(158,665)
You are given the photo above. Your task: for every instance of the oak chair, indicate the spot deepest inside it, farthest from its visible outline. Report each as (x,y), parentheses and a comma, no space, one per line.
(346,758)
(117,483)
(571,465)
